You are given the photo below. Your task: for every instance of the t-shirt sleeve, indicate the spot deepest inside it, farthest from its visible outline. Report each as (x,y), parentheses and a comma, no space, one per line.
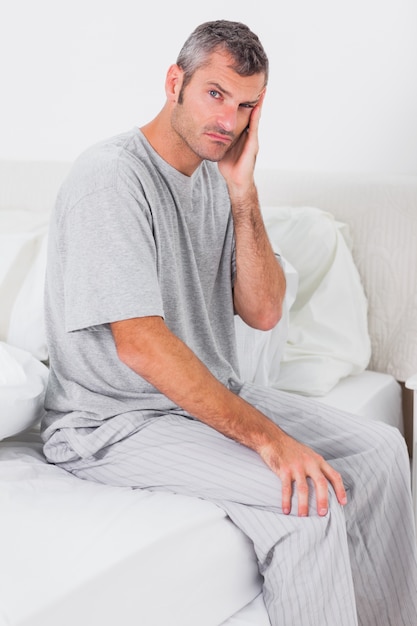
(109,261)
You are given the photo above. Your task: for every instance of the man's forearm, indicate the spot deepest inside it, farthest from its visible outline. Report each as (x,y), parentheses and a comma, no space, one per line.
(260,283)
(143,344)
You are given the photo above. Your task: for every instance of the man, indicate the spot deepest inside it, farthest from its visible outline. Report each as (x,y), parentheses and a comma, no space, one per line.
(156,243)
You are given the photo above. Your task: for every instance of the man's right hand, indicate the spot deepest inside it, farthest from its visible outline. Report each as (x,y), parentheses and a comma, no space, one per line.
(294,462)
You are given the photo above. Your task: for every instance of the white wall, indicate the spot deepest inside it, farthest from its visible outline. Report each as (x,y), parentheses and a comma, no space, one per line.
(342,92)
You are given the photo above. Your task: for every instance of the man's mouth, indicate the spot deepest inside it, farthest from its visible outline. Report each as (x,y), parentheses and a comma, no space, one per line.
(220,137)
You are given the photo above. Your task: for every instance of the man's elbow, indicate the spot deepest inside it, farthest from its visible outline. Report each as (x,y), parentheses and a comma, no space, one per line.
(264,317)
(268,319)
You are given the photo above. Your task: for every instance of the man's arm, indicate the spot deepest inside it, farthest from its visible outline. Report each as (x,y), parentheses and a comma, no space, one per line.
(259,287)
(143,344)
(260,284)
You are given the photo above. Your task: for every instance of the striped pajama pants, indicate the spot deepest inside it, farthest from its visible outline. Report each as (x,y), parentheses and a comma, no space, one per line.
(356,565)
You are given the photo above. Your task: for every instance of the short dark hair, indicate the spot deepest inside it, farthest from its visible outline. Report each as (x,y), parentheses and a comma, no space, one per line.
(234,38)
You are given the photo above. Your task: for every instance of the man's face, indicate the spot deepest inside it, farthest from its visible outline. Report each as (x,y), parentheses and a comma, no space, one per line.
(216,107)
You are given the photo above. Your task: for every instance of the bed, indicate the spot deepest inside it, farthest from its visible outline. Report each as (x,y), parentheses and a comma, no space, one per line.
(77,552)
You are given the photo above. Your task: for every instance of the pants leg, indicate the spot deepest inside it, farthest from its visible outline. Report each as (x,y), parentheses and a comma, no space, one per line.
(307,563)
(373,461)
(297,556)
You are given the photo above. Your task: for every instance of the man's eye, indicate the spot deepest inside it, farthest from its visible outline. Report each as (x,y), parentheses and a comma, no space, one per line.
(214,93)
(245,105)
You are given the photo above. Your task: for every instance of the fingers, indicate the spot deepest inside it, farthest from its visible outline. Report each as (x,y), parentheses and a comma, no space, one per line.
(321,486)
(320,477)
(256,115)
(337,482)
(302,471)
(301,488)
(286,492)
(302,492)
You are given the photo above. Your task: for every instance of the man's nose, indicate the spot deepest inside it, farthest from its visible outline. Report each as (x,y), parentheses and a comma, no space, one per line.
(227,118)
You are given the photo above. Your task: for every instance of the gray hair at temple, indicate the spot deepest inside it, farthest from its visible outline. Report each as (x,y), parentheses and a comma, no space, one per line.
(233,38)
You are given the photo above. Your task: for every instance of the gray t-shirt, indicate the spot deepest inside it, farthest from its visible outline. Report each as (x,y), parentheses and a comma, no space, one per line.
(131,237)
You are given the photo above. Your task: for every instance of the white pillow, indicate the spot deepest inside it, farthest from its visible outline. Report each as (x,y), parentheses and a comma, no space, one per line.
(22,267)
(328,336)
(23,381)
(27,319)
(260,352)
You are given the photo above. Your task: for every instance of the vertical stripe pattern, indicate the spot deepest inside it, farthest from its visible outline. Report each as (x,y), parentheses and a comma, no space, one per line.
(355,566)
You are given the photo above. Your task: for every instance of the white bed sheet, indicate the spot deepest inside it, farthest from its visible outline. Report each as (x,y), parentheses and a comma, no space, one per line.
(74,552)
(372,395)
(253,614)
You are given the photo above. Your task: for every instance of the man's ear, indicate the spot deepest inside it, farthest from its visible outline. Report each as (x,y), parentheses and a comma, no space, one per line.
(173,82)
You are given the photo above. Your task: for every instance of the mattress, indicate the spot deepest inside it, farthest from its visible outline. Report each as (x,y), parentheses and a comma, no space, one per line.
(372,395)
(253,614)
(75,552)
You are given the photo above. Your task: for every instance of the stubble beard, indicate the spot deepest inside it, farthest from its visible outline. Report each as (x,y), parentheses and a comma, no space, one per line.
(186,135)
